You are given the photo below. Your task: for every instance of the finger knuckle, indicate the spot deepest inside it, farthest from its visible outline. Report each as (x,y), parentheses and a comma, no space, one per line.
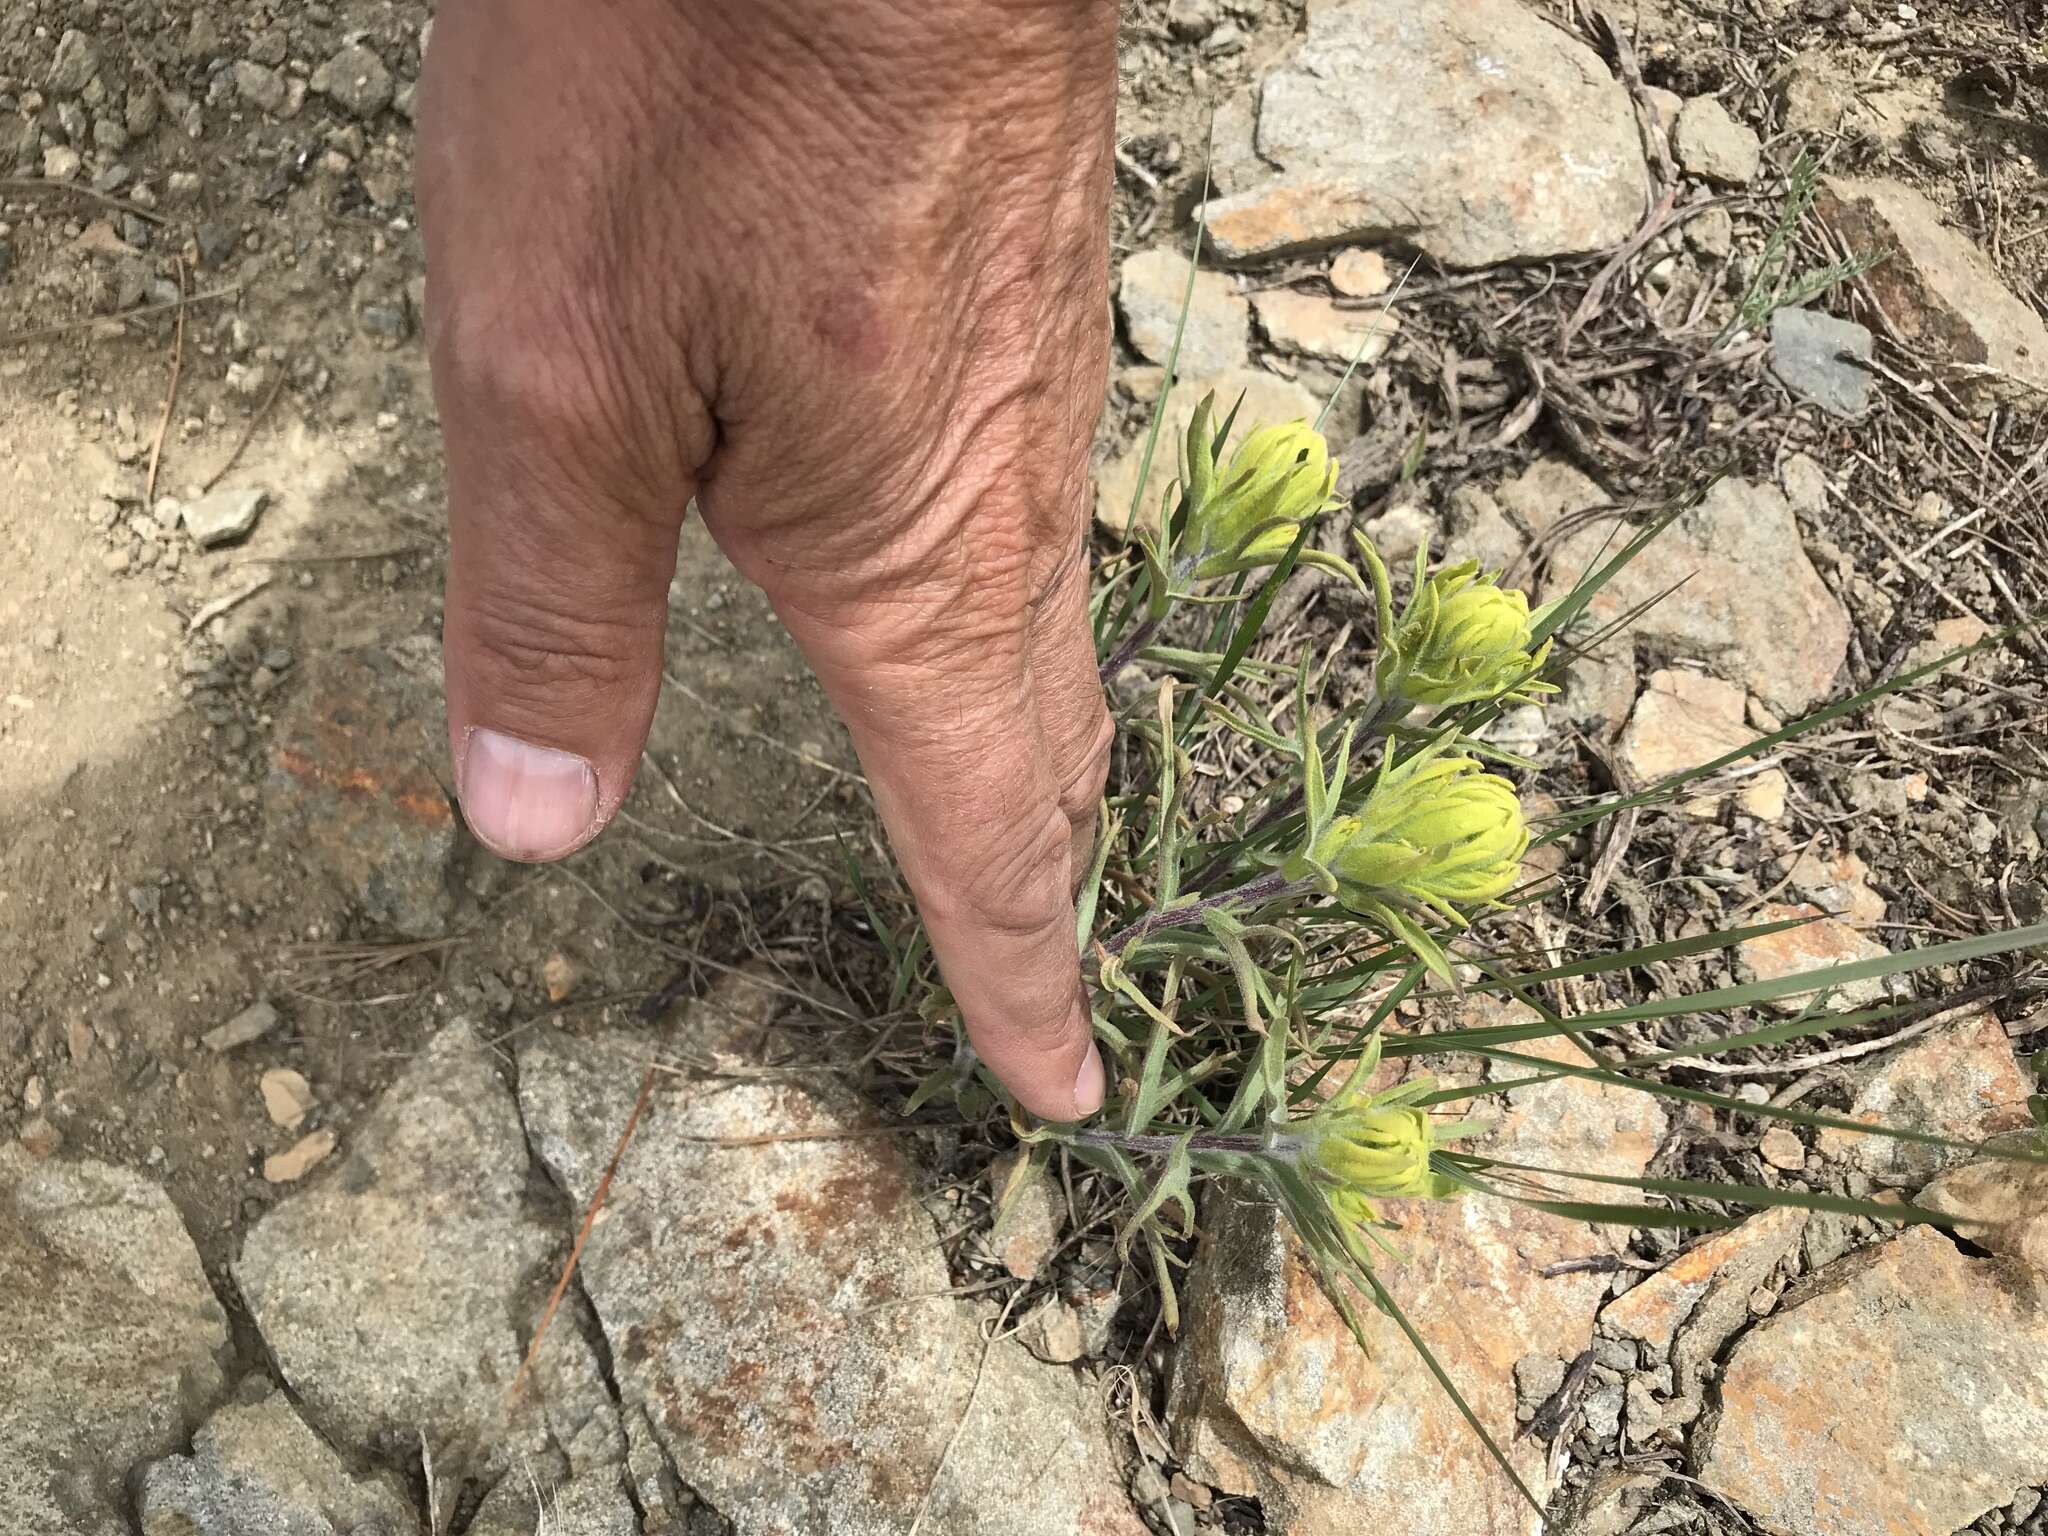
(1014,887)
(541,653)
(1081,789)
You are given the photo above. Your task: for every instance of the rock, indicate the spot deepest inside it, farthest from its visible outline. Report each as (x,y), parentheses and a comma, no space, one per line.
(1149,294)
(1480,530)
(1684,720)
(1935,1407)
(1398,532)
(595,1504)
(259,85)
(61,162)
(1053,1333)
(246,1027)
(351,774)
(75,63)
(1548,490)
(1805,483)
(1312,326)
(1750,598)
(1763,794)
(1812,946)
(1960,1082)
(300,1158)
(1360,274)
(224,516)
(1271,1395)
(1813,97)
(1782,1149)
(111,1341)
(2003,1207)
(397,1294)
(1029,1229)
(39,1137)
(776,1317)
(1936,286)
(355,79)
(1810,354)
(1470,129)
(1268,401)
(287,1097)
(1838,884)
(1712,145)
(1703,1294)
(255,1466)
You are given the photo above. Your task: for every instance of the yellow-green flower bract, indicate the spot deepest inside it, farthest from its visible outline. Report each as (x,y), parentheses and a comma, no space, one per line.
(1462,637)
(1434,830)
(1246,514)
(1361,1147)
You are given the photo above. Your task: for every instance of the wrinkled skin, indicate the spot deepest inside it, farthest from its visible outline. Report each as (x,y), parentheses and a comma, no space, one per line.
(837,270)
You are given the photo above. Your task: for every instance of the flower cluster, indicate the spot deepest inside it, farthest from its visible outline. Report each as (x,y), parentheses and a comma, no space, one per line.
(1434,831)
(1245,514)
(1462,637)
(1361,1147)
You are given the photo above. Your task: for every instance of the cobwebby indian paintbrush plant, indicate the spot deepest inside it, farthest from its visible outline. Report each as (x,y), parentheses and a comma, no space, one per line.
(1268,892)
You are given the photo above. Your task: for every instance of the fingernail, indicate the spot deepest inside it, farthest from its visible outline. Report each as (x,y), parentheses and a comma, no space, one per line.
(526,802)
(1088,1084)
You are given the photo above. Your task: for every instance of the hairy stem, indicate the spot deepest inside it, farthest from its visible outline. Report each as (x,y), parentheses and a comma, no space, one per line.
(1148,1144)
(1272,886)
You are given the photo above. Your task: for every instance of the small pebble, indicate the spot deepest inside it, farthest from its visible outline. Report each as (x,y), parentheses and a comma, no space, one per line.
(300,1158)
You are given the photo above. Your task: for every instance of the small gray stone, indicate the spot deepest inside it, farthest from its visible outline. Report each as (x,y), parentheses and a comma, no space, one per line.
(216,243)
(1537,1378)
(1711,144)
(109,135)
(224,516)
(1192,19)
(259,84)
(74,64)
(139,116)
(1808,355)
(356,79)
(1602,1407)
(246,1027)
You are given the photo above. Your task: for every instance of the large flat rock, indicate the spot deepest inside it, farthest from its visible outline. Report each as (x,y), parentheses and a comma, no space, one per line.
(397,1291)
(1935,1406)
(112,1344)
(1272,1396)
(1471,129)
(778,1324)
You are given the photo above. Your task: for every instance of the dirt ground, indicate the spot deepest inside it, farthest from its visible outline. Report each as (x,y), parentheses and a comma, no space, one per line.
(155,880)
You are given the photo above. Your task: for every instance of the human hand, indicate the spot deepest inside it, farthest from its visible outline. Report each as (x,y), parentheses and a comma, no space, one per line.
(838,270)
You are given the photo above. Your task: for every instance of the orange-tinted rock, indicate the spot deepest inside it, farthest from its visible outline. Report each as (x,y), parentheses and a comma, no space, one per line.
(1901,1392)
(1271,1393)
(1733,1262)
(2004,1207)
(1841,885)
(354,767)
(1812,946)
(1936,286)
(1684,720)
(1960,1082)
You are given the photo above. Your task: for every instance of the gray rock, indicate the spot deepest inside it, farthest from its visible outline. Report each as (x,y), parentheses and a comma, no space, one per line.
(774,1312)
(1750,599)
(1811,355)
(1711,144)
(217,242)
(1934,1408)
(1471,129)
(74,64)
(251,1024)
(595,1504)
(111,1342)
(1149,293)
(397,1293)
(356,79)
(221,517)
(259,84)
(256,1468)
(1601,1408)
